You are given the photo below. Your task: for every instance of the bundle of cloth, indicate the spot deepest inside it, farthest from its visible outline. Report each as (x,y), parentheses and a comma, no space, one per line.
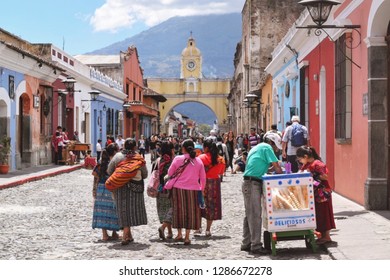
(125,171)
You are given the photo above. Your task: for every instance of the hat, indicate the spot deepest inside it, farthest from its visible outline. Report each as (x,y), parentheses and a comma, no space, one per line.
(295,118)
(274,137)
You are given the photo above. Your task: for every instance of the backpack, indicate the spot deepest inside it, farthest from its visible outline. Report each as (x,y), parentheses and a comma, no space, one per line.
(297,136)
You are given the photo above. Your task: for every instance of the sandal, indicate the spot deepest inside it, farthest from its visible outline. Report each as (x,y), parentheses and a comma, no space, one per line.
(179,239)
(169,236)
(114,236)
(187,242)
(208,233)
(127,241)
(198,231)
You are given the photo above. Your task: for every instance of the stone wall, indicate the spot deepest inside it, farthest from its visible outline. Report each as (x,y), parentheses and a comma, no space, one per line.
(264,24)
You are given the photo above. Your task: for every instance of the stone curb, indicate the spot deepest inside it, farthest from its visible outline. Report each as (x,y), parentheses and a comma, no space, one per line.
(40,177)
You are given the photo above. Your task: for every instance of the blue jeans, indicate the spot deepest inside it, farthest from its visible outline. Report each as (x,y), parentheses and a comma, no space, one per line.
(252,227)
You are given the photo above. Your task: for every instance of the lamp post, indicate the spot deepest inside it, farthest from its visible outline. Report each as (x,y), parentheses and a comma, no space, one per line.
(126,115)
(252,97)
(245,104)
(229,117)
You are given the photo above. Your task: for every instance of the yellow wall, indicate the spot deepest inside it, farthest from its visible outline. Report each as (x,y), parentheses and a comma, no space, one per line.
(267,106)
(212,93)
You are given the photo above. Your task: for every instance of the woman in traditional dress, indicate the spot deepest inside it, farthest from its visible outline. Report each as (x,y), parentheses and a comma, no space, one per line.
(104,210)
(129,199)
(164,205)
(214,166)
(189,177)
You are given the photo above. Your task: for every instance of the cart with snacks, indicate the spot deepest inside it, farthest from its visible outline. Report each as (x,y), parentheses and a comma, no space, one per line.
(288,209)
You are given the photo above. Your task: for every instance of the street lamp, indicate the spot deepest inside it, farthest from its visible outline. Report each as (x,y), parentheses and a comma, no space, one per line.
(94,95)
(94,98)
(319,11)
(252,97)
(69,85)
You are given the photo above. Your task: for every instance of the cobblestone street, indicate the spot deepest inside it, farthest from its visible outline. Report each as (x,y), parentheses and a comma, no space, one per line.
(51,219)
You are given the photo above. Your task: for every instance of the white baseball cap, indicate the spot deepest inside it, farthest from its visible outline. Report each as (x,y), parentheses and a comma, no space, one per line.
(295,119)
(274,137)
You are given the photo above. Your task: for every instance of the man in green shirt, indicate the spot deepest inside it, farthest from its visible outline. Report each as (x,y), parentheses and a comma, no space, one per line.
(259,160)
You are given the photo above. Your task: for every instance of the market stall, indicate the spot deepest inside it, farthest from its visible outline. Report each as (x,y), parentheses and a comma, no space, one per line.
(288,209)
(71,152)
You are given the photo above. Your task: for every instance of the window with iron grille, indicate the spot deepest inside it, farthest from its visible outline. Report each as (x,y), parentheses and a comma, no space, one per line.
(343,90)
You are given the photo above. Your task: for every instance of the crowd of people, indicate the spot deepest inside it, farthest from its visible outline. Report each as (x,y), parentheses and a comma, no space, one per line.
(187,182)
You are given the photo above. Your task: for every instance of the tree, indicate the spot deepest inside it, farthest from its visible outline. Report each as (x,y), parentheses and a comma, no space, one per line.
(204,129)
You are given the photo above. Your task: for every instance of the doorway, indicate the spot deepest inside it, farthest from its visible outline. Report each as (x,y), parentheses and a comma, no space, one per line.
(24,129)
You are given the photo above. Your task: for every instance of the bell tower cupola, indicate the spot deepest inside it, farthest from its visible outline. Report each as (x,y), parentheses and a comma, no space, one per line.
(191,61)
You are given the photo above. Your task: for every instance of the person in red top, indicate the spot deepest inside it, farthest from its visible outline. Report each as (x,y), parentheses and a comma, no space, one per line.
(214,166)
(311,162)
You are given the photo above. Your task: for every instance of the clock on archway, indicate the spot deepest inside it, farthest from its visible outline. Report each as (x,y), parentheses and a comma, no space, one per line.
(191,65)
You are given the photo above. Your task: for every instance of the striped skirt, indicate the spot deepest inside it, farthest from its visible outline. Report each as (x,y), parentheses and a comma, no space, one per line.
(212,199)
(130,204)
(164,207)
(104,210)
(186,211)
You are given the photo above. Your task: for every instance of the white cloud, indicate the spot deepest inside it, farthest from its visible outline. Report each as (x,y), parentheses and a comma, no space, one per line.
(117,14)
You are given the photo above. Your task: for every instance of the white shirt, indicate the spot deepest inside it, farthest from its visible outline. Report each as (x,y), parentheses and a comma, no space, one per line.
(98,147)
(120,143)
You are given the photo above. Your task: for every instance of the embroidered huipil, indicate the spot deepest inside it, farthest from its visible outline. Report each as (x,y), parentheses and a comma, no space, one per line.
(193,176)
(213,172)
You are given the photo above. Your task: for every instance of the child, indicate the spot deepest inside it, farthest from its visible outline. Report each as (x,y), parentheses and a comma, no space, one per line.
(311,162)
(72,158)
(89,161)
(240,163)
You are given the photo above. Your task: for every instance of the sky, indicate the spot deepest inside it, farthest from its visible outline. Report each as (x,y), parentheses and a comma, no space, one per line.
(80,26)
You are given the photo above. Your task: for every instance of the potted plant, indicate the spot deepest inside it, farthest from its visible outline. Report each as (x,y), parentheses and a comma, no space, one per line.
(5,150)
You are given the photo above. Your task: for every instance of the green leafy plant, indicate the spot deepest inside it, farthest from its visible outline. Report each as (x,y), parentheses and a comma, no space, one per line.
(5,149)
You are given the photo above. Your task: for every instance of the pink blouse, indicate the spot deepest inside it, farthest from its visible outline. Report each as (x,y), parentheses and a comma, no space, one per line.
(192,178)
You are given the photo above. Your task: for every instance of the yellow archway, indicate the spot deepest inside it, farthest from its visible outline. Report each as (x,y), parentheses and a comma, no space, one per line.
(192,86)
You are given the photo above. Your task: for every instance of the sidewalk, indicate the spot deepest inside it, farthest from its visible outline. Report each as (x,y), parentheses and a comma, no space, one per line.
(360,234)
(19,177)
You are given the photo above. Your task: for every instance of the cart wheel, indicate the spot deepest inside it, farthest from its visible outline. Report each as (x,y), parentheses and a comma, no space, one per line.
(267,240)
(308,242)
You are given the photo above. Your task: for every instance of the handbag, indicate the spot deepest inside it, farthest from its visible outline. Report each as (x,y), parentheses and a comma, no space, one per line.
(201,200)
(321,193)
(153,184)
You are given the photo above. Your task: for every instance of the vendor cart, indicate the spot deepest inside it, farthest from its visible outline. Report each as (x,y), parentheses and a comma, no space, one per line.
(288,209)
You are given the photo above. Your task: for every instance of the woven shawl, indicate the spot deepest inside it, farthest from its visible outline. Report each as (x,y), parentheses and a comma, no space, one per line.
(125,171)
